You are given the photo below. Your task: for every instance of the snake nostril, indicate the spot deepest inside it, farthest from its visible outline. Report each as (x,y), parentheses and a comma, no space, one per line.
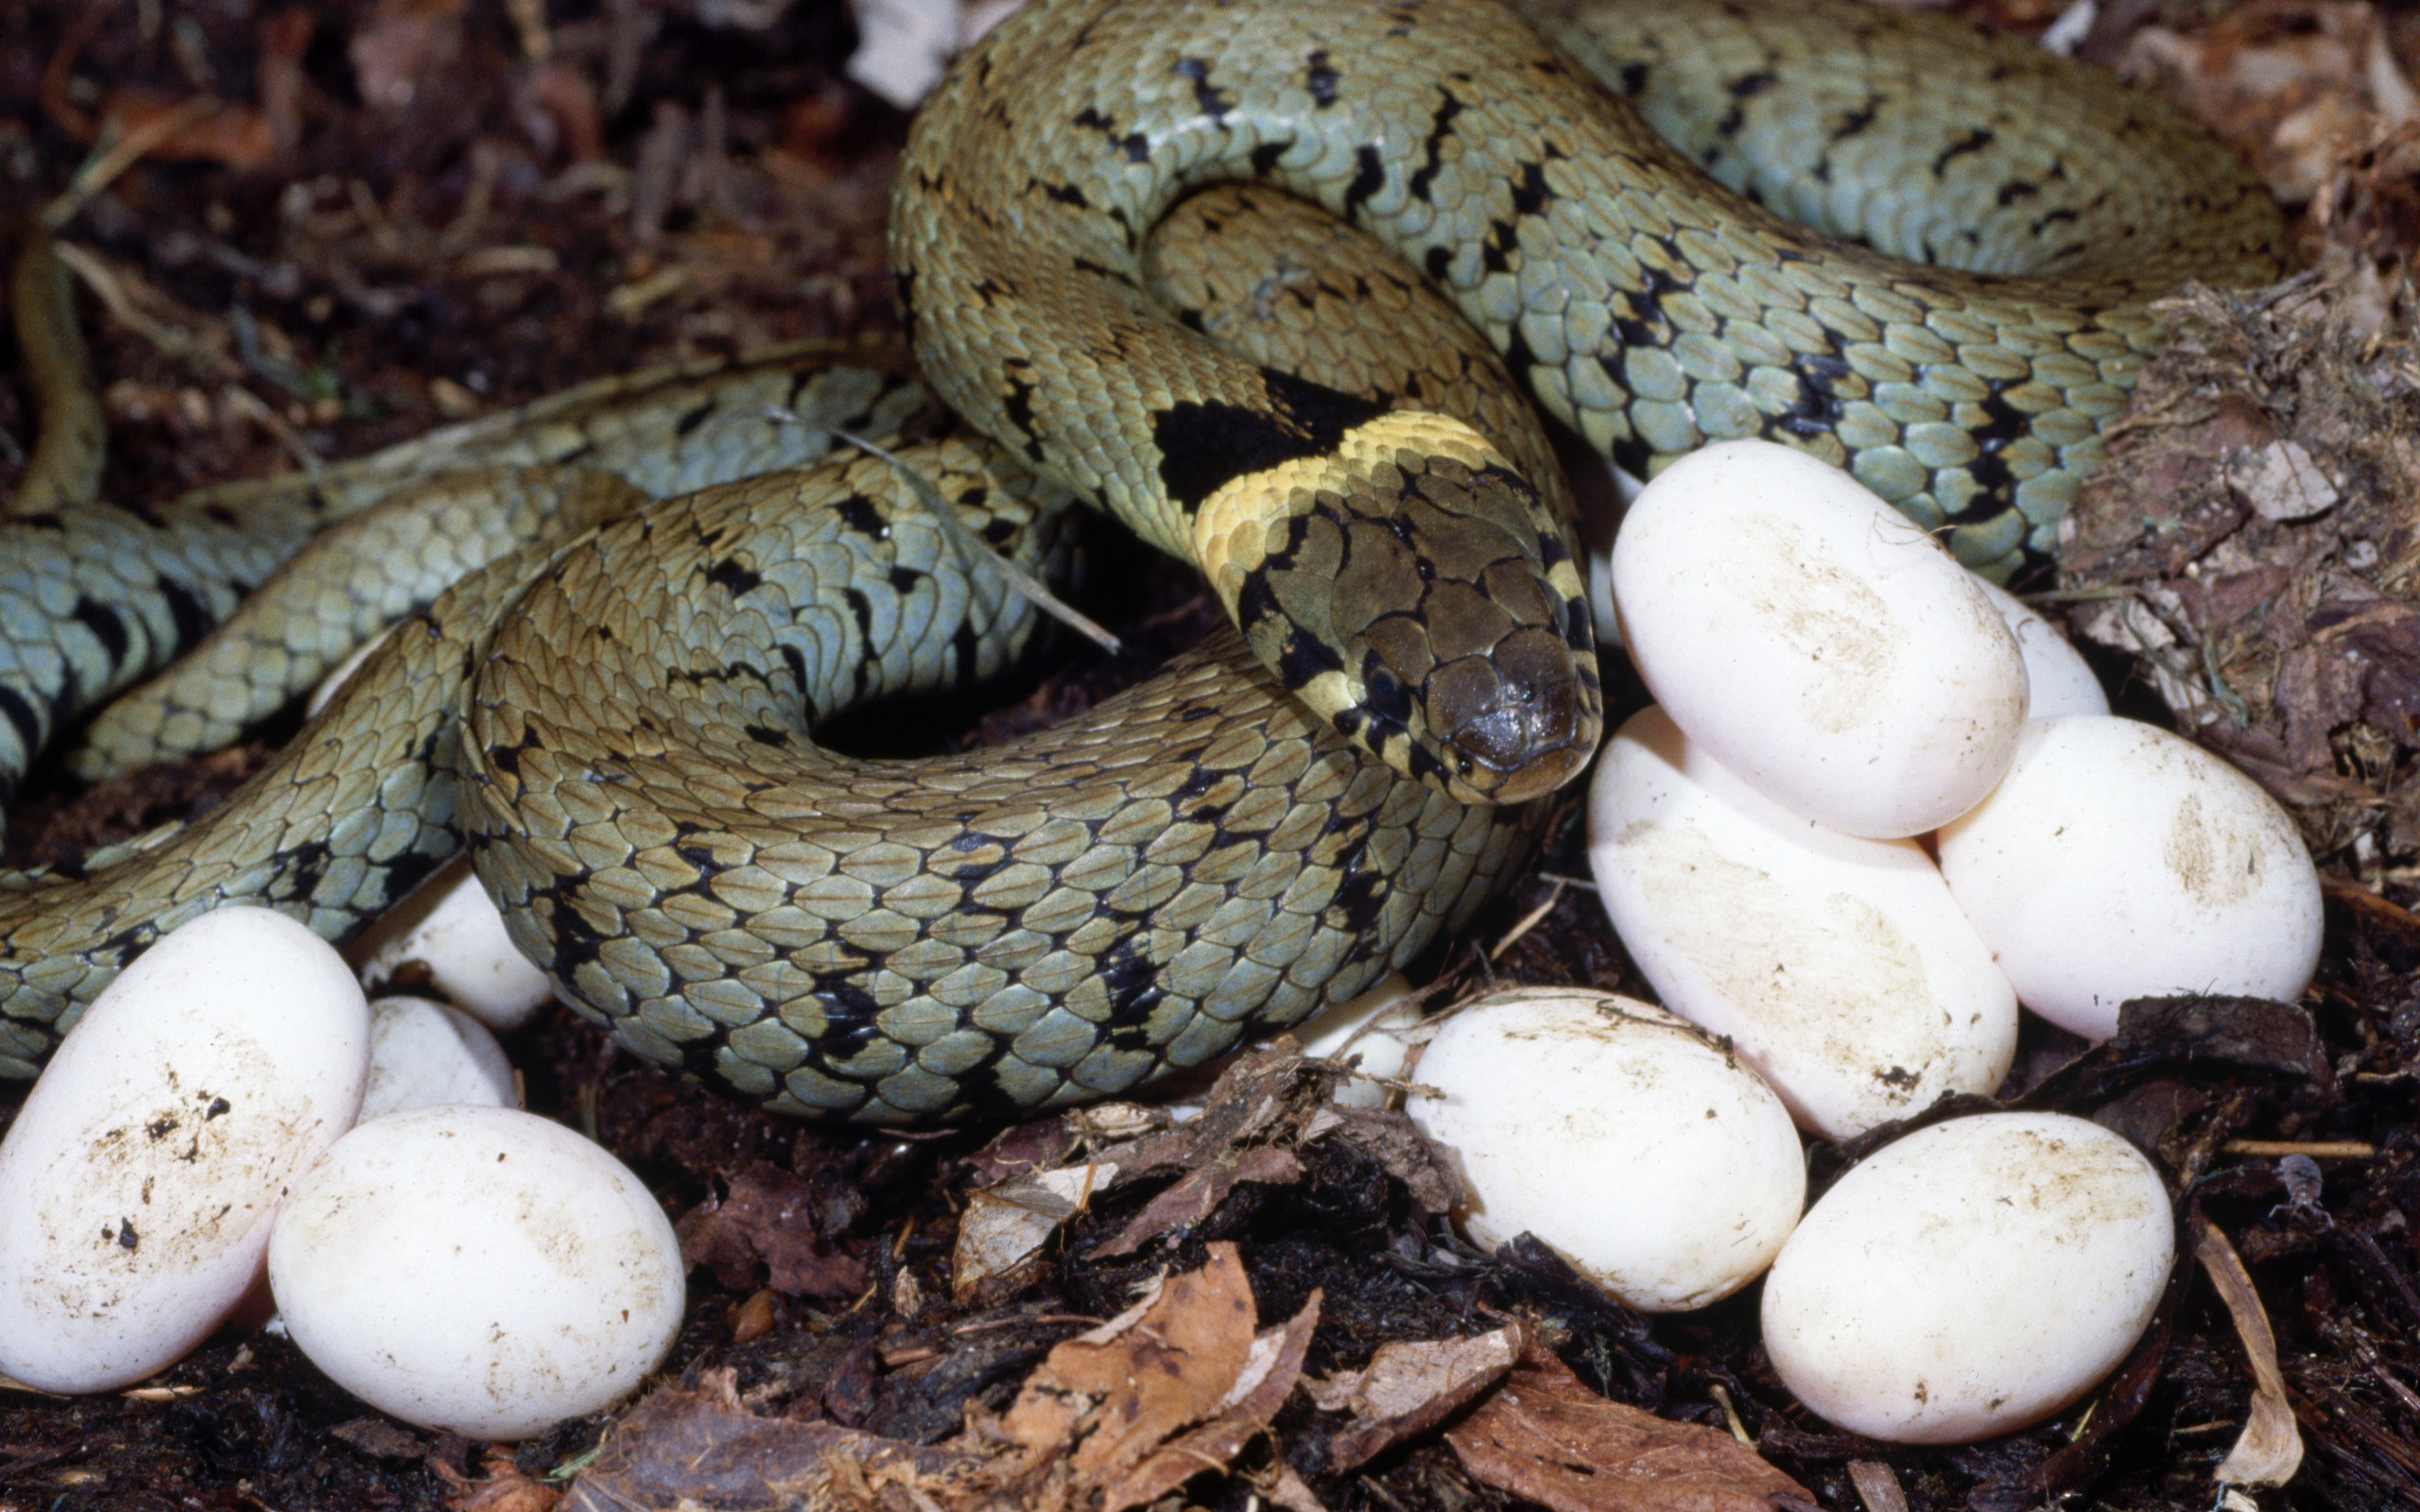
(1518,713)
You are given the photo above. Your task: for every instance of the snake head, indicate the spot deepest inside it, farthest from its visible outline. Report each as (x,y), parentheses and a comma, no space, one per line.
(1414,589)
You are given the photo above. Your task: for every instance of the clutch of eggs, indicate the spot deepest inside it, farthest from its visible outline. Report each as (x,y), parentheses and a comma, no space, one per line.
(1818,659)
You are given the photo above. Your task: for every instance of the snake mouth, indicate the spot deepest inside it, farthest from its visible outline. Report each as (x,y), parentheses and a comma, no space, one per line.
(1519,719)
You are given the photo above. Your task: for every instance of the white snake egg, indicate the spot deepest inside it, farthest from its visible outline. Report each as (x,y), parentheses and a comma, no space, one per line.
(1971,1279)
(1815,641)
(2058,680)
(137,1184)
(2117,860)
(1840,967)
(449,924)
(476,1270)
(1660,1167)
(425,1054)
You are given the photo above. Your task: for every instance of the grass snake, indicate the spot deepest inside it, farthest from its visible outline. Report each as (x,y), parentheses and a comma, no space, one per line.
(611,703)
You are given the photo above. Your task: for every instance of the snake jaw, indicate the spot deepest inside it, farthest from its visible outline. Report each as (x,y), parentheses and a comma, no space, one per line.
(1518,719)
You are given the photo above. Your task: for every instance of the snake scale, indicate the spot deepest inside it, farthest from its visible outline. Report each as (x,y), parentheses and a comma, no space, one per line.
(611,704)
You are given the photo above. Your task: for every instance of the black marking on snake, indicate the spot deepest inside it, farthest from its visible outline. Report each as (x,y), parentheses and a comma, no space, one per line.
(1497,247)
(1532,196)
(1206,445)
(691,419)
(860,610)
(2016,189)
(962,643)
(735,580)
(1369,175)
(1387,698)
(1319,79)
(1133,145)
(303,864)
(1633,77)
(106,625)
(1213,103)
(1748,86)
(1975,141)
(1440,126)
(2002,422)
(1854,123)
(189,614)
(1085,265)
(2056,217)
(1358,898)
(1817,410)
(1066,194)
(1265,156)
(576,940)
(857,512)
(1017,403)
(220,515)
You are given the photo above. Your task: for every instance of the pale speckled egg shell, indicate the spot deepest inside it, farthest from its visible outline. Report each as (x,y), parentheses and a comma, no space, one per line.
(138,1181)
(1840,968)
(449,924)
(2057,680)
(2118,861)
(1664,1170)
(476,1270)
(1816,642)
(425,1055)
(1970,1279)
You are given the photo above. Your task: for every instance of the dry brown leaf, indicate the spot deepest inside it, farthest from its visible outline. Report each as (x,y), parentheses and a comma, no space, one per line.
(2292,82)
(2271,1447)
(768,1219)
(1111,1395)
(1409,1388)
(1197,1194)
(1175,1386)
(1547,1438)
(701,1450)
(502,1487)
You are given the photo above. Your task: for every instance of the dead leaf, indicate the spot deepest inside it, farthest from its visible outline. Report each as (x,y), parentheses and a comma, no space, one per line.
(1005,1226)
(502,1487)
(702,1451)
(1177,1384)
(1408,1389)
(2269,1450)
(1197,1194)
(1547,1438)
(769,1219)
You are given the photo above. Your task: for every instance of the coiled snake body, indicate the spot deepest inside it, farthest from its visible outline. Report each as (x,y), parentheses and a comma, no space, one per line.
(1064,918)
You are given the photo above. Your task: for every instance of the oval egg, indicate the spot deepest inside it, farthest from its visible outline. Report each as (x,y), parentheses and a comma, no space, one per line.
(476,1270)
(1659,1166)
(2058,680)
(449,924)
(425,1054)
(1840,968)
(2118,861)
(1815,641)
(138,1181)
(1970,1279)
